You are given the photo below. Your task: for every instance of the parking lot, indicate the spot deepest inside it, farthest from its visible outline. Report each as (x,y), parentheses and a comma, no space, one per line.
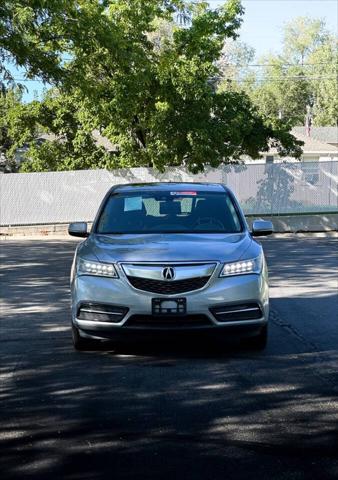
(192,410)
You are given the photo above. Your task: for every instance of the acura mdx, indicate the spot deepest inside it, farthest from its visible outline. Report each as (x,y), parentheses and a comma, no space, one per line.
(169,258)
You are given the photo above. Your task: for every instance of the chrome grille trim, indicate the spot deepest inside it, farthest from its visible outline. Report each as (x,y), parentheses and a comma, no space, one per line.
(182,271)
(239,312)
(100,311)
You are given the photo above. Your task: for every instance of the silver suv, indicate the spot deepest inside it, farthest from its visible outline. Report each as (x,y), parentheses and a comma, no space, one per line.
(169,257)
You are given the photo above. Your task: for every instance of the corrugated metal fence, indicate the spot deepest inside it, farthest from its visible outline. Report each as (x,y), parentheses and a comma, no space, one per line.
(61,197)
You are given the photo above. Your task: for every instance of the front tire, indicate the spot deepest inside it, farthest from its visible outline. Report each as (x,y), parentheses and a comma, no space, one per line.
(80,343)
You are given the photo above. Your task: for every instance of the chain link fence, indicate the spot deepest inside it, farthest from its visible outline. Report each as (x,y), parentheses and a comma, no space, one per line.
(262,189)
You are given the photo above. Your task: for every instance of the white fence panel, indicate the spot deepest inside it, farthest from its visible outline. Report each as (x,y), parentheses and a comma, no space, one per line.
(61,197)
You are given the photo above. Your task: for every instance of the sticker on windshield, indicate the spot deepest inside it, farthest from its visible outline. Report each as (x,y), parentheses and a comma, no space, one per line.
(132,204)
(183,193)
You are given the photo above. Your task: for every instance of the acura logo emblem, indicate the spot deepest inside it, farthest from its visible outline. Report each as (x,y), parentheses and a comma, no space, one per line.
(168,273)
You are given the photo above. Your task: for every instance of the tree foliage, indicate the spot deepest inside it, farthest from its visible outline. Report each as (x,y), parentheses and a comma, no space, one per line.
(305,73)
(285,92)
(50,135)
(17,127)
(34,34)
(302,36)
(325,89)
(156,101)
(234,60)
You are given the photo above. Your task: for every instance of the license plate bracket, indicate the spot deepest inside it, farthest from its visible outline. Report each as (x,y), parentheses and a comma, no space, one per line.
(169,306)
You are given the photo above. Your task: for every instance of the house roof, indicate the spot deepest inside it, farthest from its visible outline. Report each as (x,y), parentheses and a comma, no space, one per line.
(99,139)
(104,142)
(322,134)
(311,145)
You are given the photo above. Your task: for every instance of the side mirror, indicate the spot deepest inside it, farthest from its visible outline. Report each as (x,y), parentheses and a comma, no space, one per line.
(261,228)
(78,229)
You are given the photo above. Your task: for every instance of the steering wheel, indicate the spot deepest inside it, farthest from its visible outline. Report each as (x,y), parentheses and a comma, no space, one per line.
(208,221)
(171,226)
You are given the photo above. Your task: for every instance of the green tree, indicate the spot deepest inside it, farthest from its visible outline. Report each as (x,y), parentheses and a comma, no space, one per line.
(157,103)
(283,91)
(325,83)
(302,36)
(17,127)
(233,65)
(50,135)
(34,34)
(69,143)
(304,74)
(8,99)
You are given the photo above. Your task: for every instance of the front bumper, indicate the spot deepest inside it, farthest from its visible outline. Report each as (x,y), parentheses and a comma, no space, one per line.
(219,292)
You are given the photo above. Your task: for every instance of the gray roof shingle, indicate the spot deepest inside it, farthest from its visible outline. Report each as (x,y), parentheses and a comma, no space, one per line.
(322,134)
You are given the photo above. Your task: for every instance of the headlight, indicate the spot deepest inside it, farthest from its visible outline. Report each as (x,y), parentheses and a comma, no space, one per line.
(253,265)
(87,267)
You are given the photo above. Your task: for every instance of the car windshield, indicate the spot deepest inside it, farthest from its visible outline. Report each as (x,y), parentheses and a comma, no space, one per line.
(169,212)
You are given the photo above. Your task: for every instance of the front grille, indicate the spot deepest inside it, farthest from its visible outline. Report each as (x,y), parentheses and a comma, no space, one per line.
(234,313)
(158,322)
(98,312)
(168,287)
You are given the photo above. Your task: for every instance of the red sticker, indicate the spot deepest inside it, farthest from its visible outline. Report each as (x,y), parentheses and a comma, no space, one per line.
(183,193)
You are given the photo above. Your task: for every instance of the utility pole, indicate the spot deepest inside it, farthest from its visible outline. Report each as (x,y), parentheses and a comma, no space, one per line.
(308,120)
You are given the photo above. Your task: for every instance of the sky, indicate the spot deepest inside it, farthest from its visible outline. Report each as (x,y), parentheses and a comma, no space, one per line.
(263,23)
(262,27)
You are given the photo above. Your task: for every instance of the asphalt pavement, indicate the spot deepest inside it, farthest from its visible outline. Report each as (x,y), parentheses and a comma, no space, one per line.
(194,410)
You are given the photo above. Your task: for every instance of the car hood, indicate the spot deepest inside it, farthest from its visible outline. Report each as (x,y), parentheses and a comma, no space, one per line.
(166,247)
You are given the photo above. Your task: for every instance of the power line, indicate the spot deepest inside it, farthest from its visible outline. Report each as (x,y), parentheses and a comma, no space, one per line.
(302,77)
(269,77)
(285,65)
(298,77)
(260,79)
(279,79)
(25,79)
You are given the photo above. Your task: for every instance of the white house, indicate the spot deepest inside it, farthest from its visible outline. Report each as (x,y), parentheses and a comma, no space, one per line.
(314,150)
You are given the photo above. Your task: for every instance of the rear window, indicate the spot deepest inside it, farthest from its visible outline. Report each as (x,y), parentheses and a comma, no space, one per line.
(169,212)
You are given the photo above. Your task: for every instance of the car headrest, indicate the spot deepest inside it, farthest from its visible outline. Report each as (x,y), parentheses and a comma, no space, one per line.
(204,209)
(170,208)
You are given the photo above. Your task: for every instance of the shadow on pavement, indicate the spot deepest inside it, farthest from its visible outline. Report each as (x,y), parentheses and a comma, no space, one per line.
(150,411)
